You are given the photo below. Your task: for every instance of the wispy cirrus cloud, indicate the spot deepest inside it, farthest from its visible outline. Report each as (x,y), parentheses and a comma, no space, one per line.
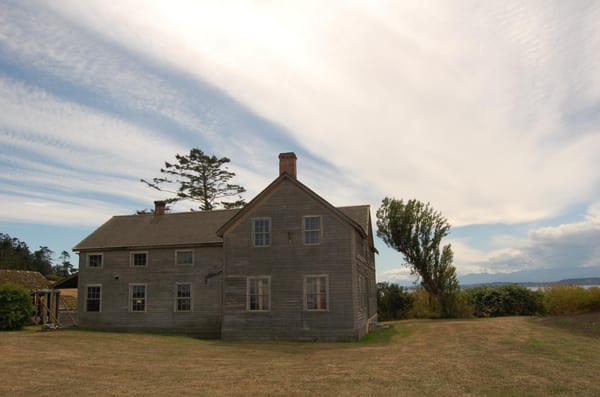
(489,111)
(467,106)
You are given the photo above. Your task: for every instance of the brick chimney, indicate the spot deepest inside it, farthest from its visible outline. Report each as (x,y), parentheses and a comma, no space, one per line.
(287,163)
(159,207)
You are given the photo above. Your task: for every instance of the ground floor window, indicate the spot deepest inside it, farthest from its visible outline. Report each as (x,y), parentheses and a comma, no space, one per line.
(137,292)
(316,292)
(183,297)
(259,293)
(93,298)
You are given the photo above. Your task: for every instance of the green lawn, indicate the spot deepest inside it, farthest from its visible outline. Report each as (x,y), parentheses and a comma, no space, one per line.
(515,356)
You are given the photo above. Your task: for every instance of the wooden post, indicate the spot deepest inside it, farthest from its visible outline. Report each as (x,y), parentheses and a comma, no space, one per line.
(56,306)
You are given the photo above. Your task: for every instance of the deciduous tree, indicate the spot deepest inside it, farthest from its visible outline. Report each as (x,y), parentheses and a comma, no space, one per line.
(416,230)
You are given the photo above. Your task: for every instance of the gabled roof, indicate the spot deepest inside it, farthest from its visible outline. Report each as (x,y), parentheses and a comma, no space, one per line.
(354,216)
(67,282)
(359,213)
(148,230)
(33,281)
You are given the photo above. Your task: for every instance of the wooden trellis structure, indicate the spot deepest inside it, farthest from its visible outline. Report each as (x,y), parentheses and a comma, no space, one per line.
(46,303)
(46,300)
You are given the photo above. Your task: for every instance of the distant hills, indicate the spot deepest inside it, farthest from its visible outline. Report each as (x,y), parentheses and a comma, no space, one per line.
(536,278)
(569,281)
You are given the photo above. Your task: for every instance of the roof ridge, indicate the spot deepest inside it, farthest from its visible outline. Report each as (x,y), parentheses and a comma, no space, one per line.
(179,213)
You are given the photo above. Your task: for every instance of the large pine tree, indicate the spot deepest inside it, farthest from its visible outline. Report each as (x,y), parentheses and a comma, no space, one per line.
(199,177)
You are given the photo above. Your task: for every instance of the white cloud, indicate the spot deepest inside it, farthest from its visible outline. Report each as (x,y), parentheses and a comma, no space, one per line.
(401,276)
(459,105)
(570,245)
(488,111)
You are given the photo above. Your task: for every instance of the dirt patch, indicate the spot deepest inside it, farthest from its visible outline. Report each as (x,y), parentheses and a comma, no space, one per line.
(586,324)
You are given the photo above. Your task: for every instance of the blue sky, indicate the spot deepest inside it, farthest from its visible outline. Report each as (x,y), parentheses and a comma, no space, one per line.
(490,111)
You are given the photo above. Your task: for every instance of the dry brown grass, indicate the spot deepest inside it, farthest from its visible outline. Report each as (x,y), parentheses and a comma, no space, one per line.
(504,356)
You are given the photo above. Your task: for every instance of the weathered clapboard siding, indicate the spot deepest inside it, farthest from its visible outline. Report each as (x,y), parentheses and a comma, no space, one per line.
(224,259)
(160,277)
(287,261)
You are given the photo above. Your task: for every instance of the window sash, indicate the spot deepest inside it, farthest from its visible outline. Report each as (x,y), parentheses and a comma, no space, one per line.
(183,298)
(184,257)
(312,230)
(93,298)
(362,291)
(138,297)
(262,232)
(259,291)
(316,293)
(139,259)
(94,260)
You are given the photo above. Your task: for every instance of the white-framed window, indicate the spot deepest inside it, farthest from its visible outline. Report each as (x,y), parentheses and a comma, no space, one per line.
(94,260)
(261,232)
(93,298)
(137,297)
(258,293)
(312,229)
(183,297)
(316,292)
(184,257)
(139,259)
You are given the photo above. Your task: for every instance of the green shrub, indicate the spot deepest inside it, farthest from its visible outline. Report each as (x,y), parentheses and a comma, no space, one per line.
(459,305)
(571,299)
(424,306)
(16,307)
(594,299)
(506,300)
(393,302)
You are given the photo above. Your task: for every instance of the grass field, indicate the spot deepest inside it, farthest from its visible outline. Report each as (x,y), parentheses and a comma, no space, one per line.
(514,356)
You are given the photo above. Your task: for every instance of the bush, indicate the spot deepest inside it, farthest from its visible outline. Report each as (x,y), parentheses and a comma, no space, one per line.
(16,307)
(571,299)
(424,306)
(393,302)
(506,300)
(459,305)
(594,299)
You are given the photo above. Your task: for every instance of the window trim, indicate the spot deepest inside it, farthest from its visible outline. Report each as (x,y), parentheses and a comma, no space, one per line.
(132,255)
(270,232)
(362,291)
(131,285)
(90,254)
(184,264)
(85,304)
(305,296)
(249,280)
(177,298)
(304,230)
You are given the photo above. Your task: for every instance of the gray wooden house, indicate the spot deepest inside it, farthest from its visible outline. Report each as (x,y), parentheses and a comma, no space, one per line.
(288,265)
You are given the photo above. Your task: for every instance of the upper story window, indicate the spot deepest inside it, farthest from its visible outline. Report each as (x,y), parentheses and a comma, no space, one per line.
(139,259)
(184,257)
(312,229)
(94,260)
(261,232)
(258,293)
(316,292)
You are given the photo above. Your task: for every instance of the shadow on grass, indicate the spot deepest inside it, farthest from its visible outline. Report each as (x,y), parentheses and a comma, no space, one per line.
(384,333)
(585,324)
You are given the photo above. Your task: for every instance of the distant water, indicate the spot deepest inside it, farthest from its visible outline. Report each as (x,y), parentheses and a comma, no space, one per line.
(536,288)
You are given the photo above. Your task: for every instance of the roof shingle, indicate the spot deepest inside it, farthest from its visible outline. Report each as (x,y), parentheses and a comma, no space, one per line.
(33,281)
(186,228)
